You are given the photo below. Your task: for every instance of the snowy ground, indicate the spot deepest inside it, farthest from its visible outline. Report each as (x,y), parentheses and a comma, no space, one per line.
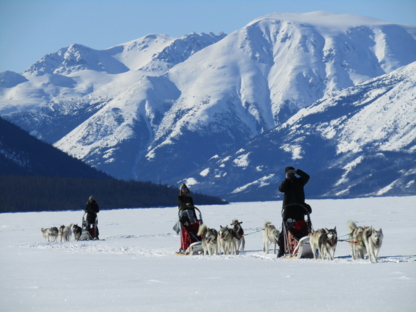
(133,266)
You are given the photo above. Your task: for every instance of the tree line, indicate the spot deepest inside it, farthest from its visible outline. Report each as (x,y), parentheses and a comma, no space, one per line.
(36,193)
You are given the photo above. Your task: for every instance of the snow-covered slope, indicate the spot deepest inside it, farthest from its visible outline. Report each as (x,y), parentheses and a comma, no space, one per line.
(188,99)
(359,141)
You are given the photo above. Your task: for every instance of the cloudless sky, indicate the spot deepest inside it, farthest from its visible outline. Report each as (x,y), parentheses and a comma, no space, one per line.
(30,29)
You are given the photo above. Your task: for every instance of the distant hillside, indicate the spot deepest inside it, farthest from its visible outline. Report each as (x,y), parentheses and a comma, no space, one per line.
(35,176)
(21,194)
(24,155)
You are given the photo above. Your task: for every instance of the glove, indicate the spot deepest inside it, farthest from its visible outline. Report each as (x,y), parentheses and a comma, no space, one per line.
(290,175)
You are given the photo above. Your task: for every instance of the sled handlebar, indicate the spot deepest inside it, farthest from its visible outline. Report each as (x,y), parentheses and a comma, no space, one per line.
(196,208)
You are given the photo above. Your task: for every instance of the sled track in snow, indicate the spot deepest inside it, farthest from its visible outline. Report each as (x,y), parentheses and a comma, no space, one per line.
(162,235)
(100,247)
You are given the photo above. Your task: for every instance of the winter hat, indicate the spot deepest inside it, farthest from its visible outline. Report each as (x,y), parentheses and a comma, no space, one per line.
(183,186)
(288,169)
(91,197)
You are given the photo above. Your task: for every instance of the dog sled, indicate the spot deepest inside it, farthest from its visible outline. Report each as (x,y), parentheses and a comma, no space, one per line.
(89,231)
(190,241)
(296,228)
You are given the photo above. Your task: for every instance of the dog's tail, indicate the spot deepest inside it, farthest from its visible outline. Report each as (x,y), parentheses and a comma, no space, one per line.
(202,229)
(266,224)
(351,225)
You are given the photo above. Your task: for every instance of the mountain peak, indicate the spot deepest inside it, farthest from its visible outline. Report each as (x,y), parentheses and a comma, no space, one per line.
(336,21)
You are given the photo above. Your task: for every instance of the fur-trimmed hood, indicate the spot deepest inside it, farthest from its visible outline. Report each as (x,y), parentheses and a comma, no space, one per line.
(183,185)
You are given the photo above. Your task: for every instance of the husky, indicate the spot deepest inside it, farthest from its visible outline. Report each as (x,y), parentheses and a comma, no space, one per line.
(238,229)
(61,231)
(66,232)
(209,240)
(270,236)
(45,234)
(227,241)
(364,239)
(53,234)
(314,242)
(373,240)
(327,243)
(356,240)
(77,231)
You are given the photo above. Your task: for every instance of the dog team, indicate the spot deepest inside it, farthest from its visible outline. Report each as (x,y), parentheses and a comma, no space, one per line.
(362,240)
(65,232)
(228,240)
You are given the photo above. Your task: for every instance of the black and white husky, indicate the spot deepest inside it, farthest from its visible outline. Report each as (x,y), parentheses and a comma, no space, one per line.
(77,231)
(327,243)
(270,236)
(209,240)
(238,230)
(227,241)
(364,239)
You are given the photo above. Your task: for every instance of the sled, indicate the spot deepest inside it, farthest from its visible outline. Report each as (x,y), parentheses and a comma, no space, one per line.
(297,228)
(190,242)
(193,249)
(89,233)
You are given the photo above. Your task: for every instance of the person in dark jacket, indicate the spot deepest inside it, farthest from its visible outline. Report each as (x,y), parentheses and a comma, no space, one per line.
(293,188)
(186,205)
(187,218)
(92,208)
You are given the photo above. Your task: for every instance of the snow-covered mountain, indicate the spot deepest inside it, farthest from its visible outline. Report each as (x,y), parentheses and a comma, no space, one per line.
(64,89)
(359,141)
(159,108)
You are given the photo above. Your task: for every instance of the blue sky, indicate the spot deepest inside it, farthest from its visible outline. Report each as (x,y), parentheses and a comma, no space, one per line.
(29,29)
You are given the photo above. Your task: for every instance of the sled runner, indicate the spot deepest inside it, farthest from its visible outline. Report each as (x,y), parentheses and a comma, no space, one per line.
(190,241)
(296,228)
(89,232)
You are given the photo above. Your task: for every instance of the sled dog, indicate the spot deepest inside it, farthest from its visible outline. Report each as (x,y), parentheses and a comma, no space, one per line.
(327,243)
(51,234)
(61,231)
(364,239)
(238,229)
(77,231)
(356,241)
(270,236)
(209,240)
(66,232)
(314,241)
(45,234)
(227,241)
(373,240)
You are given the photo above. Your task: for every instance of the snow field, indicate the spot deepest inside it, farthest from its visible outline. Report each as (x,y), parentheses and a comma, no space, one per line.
(133,266)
